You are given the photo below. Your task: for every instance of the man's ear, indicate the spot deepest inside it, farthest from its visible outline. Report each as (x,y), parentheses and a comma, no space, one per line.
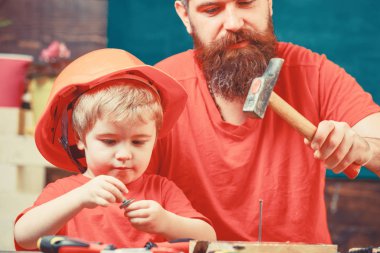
(270,2)
(184,15)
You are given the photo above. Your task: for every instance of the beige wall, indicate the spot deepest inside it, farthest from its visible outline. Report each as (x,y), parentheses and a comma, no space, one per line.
(22,171)
(82,26)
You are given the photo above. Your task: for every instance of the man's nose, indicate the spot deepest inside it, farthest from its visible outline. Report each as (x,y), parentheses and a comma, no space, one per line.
(233,21)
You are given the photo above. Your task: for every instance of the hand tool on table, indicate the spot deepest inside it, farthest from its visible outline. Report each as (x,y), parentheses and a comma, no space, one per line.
(64,244)
(364,250)
(261,94)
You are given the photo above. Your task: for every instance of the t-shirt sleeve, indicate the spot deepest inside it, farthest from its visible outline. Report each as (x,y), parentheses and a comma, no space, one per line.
(341,97)
(51,191)
(176,201)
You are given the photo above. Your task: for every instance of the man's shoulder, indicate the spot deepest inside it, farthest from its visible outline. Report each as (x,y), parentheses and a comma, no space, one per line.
(298,55)
(180,66)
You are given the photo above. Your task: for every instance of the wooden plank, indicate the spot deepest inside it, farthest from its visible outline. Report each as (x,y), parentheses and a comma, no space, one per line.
(264,247)
(353,211)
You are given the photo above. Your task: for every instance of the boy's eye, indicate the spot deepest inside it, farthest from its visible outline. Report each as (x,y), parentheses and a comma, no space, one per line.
(108,141)
(139,142)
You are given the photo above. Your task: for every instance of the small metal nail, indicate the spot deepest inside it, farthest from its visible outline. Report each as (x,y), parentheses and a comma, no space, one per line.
(260,219)
(126,203)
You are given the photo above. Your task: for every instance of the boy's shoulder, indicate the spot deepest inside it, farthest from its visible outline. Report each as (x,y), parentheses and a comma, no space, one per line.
(158,183)
(69,182)
(154,178)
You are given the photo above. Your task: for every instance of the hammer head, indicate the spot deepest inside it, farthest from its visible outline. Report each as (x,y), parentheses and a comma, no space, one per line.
(261,88)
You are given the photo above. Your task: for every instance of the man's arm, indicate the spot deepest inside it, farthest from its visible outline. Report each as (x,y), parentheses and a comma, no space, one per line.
(369,129)
(338,145)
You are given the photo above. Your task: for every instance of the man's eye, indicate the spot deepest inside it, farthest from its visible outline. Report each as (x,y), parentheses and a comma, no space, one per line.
(211,10)
(245,3)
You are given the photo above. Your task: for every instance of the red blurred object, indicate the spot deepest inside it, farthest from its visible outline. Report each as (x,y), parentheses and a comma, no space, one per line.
(175,246)
(13,72)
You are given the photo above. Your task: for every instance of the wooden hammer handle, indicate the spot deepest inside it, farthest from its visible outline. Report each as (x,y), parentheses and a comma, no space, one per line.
(303,126)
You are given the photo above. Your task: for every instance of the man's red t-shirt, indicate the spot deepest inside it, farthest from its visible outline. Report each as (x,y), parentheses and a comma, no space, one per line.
(226,169)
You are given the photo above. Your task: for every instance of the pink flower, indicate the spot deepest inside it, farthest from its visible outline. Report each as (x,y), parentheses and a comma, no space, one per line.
(55,51)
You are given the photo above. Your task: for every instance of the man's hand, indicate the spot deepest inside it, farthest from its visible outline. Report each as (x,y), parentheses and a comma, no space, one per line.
(338,146)
(147,215)
(101,191)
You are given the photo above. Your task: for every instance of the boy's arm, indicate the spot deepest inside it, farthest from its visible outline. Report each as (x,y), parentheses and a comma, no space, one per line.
(149,216)
(50,217)
(183,227)
(46,219)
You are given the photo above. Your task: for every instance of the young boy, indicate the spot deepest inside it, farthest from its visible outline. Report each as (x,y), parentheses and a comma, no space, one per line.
(110,106)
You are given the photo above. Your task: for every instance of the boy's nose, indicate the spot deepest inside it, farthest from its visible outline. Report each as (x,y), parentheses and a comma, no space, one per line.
(123,154)
(233,22)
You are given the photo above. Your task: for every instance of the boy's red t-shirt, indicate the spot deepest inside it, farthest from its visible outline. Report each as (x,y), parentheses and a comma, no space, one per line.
(108,224)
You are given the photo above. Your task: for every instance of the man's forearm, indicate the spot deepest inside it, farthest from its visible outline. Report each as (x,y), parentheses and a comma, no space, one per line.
(373,163)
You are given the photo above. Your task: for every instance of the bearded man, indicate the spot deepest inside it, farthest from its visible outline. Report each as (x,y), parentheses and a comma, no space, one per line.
(226,162)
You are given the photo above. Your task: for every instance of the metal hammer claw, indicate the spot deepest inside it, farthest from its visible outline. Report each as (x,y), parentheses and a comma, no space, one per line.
(261,94)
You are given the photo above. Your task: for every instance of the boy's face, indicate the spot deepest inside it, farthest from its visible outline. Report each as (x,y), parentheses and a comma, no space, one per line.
(120,149)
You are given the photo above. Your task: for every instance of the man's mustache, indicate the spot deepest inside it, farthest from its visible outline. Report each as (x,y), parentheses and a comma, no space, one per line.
(232,38)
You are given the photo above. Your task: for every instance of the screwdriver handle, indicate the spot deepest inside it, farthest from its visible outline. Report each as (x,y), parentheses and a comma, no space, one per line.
(63,244)
(303,126)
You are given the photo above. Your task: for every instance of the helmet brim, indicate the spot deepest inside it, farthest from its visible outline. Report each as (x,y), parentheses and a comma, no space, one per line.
(76,78)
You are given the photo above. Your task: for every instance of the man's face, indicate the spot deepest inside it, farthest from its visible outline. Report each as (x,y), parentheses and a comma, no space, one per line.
(213,19)
(234,41)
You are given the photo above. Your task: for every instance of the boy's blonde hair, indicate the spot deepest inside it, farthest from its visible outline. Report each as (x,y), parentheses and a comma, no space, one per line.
(118,102)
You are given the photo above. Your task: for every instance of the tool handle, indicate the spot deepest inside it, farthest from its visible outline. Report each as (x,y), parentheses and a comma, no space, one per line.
(303,126)
(63,244)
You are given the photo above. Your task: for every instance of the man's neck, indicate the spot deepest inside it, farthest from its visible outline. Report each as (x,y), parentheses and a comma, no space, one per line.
(231,111)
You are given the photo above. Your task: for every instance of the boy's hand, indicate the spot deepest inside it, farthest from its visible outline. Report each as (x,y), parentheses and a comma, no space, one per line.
(147,215)
(101,191)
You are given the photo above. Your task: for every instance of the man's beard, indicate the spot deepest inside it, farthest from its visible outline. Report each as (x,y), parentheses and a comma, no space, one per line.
(230,71)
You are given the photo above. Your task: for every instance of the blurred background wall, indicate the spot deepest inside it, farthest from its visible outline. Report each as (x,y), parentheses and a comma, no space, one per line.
(347,31)
(28,27)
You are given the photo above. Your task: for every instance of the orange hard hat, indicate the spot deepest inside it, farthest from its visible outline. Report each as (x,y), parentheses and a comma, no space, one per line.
(54,136)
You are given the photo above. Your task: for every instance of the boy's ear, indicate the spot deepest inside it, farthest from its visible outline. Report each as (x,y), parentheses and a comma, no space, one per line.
(80,145)
(184,15)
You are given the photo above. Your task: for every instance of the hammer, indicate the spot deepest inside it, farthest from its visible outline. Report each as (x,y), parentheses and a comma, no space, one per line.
(261,94)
